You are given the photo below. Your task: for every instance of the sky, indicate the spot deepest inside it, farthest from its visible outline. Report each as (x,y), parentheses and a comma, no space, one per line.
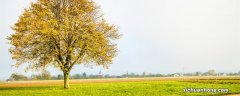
(159,36)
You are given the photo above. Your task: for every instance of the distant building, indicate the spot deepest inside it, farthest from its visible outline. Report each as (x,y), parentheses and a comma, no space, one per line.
(100,75)
(177,75)
(222,74)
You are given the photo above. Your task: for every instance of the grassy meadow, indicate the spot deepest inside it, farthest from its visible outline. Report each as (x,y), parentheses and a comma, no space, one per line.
(165,86)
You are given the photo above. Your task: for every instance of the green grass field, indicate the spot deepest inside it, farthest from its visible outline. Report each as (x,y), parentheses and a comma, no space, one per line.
(121,87)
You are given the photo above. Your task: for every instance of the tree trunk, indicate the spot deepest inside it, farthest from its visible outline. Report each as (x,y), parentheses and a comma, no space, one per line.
(66,80)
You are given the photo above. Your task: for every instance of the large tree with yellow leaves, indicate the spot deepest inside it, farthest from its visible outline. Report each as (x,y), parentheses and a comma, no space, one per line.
(63,33)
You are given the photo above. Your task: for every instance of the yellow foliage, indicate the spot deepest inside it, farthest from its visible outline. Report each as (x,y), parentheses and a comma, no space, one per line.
(63,33)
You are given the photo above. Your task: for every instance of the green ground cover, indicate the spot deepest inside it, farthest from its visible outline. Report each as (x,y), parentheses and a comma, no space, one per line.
(140,88)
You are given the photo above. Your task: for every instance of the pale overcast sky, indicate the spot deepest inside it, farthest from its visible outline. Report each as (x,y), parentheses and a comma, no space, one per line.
(159,36)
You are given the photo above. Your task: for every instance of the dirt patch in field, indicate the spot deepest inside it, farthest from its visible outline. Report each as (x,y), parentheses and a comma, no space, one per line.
(60,82)
(233,95)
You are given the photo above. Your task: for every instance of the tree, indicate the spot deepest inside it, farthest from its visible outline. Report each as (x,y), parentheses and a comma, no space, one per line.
(46,75)
(84,75)
(60,77)
(63,33)
(211,72)
(76,76)
(18,77)
(36,77)
(198,74)
(143,74)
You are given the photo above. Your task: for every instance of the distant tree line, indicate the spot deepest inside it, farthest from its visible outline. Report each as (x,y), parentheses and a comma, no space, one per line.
(46,75)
